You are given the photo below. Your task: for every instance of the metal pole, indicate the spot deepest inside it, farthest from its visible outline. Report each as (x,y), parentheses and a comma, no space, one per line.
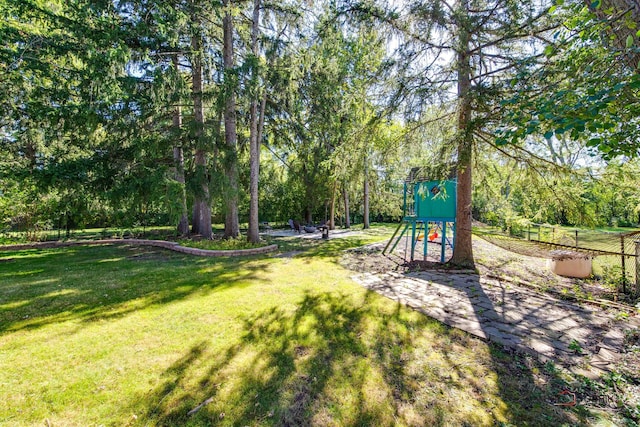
(576,238)
(624,273)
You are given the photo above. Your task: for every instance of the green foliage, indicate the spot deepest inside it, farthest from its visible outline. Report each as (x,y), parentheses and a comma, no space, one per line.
(563,192)
(575,347)
(90,91)
(584,89)
(612,277)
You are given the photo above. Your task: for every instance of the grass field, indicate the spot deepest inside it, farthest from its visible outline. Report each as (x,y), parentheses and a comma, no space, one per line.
(119,335)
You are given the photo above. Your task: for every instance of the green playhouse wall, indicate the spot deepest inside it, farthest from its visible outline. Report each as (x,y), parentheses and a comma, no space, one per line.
(435,200)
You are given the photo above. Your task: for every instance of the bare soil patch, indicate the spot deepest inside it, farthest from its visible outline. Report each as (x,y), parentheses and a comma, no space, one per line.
(369,259)
(491,260)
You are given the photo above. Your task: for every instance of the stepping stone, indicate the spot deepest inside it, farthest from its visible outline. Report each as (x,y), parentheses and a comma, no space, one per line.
(508,315)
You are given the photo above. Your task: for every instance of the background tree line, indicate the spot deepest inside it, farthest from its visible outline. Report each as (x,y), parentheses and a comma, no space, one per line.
(145,112)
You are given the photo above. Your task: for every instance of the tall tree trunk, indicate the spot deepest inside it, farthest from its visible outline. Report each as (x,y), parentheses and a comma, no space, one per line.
(202,198)
(308,217)
(307,179)
(178,161)
(254,149)
(345,195)
(231,226)
(332,217)
(308,208)
(263,105)
(463,248)
(31,151)
(183,222)
(366,191)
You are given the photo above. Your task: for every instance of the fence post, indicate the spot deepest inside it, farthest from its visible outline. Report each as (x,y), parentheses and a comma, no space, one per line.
(529,232)
(553,235)
(576,238)
(637,267)
(624,273)
(539,234)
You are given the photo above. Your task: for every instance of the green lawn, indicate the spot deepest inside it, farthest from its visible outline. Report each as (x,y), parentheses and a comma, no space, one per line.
(119,335)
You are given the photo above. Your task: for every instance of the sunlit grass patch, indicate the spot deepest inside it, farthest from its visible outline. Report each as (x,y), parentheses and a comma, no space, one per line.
(153,337)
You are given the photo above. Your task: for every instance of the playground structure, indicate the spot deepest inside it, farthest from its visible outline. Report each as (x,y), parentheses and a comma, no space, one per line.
(429,211)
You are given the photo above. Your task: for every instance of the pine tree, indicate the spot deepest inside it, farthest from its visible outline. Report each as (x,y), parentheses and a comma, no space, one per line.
(482,42)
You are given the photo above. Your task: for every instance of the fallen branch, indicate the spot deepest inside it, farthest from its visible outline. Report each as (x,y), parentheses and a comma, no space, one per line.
(200,406)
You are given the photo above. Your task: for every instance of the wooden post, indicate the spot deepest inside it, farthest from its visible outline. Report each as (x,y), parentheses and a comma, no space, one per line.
(553,235)
(576,238)
(539,234)
(528,232)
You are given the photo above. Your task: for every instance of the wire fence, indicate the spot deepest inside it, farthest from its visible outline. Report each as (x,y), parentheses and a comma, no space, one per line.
(616,255)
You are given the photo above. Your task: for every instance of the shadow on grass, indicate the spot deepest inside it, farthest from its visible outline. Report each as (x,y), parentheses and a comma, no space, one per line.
(41,287)
(318,248)
(332,360)
(504,315)
(334,247)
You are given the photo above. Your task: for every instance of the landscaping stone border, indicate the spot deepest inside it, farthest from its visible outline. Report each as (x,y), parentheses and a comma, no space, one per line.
(172,246)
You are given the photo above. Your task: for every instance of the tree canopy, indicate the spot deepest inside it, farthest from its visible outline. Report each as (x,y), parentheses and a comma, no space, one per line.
(140,112)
